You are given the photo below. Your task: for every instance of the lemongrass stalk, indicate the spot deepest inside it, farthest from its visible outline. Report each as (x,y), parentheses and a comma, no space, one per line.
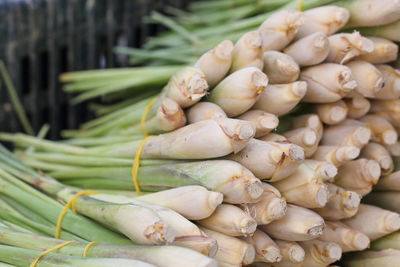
(384,51)
(263,122)
(347,133)
(292,253)
(280,28)
(384,258)
(389,241)
(263,158)
(324,88)
(270,207)
(303,188)
(266,249)
(279,99)
(394,150)
(232,251)
(388,31)
(358,175)
(337,155)
(325,19)
(299,224)
(309,50)
(216,63)
(332,113)
(374,222)
(280,68)
(370,80)
(324,170)
(390,89)
(357,107)
(238,92)
(389,182)
(380,154)
(382,131)
(341,204)
(248,52)
(388,109)
(230,220)
(306,138)
(273,137)
(204,111)
(320,253)
(387,200)
(98,141)
(309,120)
(343,47)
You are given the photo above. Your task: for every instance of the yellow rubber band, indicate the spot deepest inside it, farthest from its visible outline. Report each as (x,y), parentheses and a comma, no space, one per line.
(88,246)
(44,253)
(144,116)
(70,203)
(300,5)
(136,161)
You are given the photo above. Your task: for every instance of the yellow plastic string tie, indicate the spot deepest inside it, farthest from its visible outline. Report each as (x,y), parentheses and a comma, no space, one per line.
(44,253)
(300,5)
(136,161)
(144,116)
(88,246)
(70,203)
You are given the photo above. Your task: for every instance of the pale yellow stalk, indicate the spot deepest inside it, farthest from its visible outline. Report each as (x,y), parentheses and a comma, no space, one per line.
(309,120)
(266,249)
(305,137)
(292,254)
(248,52)
(380,154)
(357,107)
(320,253)
(381,129)
(337,155)
(262,121)
(347,133)
(325,171)
(332,113)
(391,87)
(384,51)
(204,111)
(389,182)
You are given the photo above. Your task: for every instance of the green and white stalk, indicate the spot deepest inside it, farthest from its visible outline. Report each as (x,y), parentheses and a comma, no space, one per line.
(262,121)
(305,137)
(380,154)
(280,68)
(332,113)
(324,170)
(381,129)
(348,133)
(390,89)
(292,253)
(248,52)
(385,51)
(357,107)
(389,182)
(266,249)
(388,31)
(204,111)
(384,258)
(337,155)
(320,253)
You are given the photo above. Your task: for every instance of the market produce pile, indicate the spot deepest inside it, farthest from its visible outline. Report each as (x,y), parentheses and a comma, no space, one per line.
(259,133)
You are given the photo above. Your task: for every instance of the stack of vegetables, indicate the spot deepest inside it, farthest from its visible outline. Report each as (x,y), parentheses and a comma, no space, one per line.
(278,150)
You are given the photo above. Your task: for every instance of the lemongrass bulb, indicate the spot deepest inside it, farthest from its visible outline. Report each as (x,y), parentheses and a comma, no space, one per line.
(273,137)
(270,207)
(279,99)
(230,220)
(394,149)
(374,222)
(327,82)
(320,253)
(324,170)
(266,249)
(203,244)
(310,50)
(347,133)
(280,68)
(391,87)
(309,120)
(332,113)
(204,111)
(299,224)
(248,52)
(231,251)
(388,109)
(384,51)
(187,86)
(357,107)
(341,204)
(292,253)
(369,79)
(326,19)
(303,188)
(263,122)
(280,28)
(389,182)
(343,47)
(238,92)
(382,131)
(216,63)
(380,154)
(336,155)
(305,137)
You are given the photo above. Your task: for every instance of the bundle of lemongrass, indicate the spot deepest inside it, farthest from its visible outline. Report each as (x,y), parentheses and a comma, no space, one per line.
(274,141)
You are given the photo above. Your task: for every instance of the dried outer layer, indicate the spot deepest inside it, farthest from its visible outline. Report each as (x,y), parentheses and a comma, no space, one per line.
(332,113)
(216,63)
(327,82)
(384,51)
(279,99)
(391,87)
(357,107)
(341,204)
(344,47)
(381,129)
(280,67)
(266,249)
(310,50)
(299,224)
(348,133)
(320,253)
(358,175)
(238,92)
(374,222)
(325,171)
(347,238)
(230,220)
(389,182)
(305,137)
(280,28)
(380,154)
(204,111)
(369,79)
(337,155)
(273,137)
(325,19)
(248,52)
(292,253)
(270,207)
(262,121)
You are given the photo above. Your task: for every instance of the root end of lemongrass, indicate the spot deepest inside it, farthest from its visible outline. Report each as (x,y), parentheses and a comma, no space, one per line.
(389,137)
(322,196)
(360,241)
(259,80)
(245,132)
(338,114)
(299,88)
(158,232)
(169,106)
(286,66)
(296,254)
(296,153)
(362,136)
(249,255)
(215,200)
(253,39)
(276,209)
(310,138)
(316,230)
(247,226)
(224,50)
(272,254)
(351,200)
(269,122)
(392,222)
(330,170)
(255,190)
(374,171)
(320,41)
(385,162)
(197,86)
(334,251)
(349,153)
